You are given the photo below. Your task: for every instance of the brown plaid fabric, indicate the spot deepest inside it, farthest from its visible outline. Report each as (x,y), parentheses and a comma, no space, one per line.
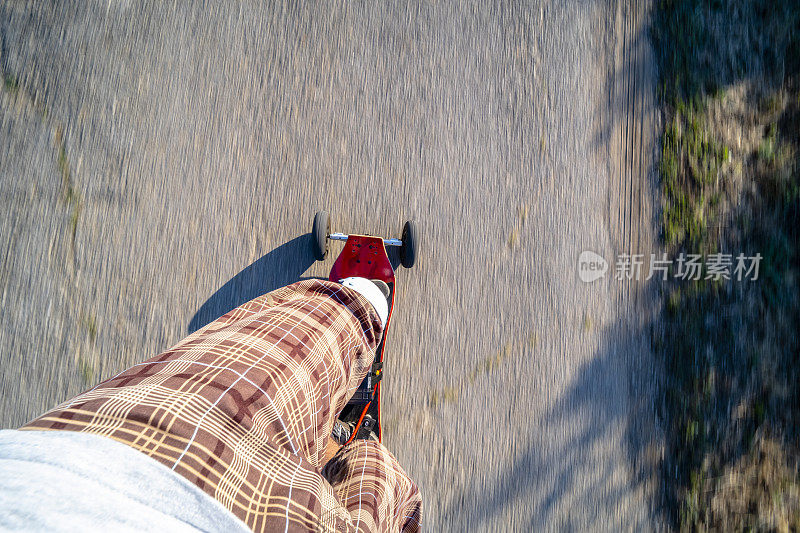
(243,407)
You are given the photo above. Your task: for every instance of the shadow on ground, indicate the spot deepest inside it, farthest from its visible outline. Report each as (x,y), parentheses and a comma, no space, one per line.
(280,267)
(543,478)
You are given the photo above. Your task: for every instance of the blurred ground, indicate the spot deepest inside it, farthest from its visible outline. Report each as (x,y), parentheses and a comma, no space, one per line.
(160,163)
(729,78)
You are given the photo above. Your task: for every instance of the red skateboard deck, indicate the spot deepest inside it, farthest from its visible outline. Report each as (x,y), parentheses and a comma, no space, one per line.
(365,256)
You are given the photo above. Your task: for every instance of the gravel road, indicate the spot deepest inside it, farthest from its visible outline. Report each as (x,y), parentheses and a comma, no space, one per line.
(161,162)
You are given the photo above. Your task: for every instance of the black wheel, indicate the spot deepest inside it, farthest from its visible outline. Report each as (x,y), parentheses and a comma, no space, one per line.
(319,234)
(408,251)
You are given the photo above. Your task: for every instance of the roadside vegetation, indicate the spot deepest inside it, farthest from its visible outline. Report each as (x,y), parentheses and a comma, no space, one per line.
(730,179)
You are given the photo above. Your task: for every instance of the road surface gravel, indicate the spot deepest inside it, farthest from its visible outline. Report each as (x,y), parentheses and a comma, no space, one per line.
(161,162)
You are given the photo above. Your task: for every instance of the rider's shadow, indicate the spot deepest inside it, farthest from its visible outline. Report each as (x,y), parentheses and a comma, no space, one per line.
(282,266)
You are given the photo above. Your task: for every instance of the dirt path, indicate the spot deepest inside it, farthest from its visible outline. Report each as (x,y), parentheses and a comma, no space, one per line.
(161,163)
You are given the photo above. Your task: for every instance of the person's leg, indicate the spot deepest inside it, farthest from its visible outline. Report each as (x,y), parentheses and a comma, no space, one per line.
(374,488)
(278,368)
(244,407)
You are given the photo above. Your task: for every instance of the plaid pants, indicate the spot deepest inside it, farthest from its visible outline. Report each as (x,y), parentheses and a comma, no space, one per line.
(243,408)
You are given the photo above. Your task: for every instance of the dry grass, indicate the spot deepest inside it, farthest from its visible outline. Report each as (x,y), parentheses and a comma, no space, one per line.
(730,87)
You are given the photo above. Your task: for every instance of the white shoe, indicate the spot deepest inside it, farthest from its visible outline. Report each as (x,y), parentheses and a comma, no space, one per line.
(372,292)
